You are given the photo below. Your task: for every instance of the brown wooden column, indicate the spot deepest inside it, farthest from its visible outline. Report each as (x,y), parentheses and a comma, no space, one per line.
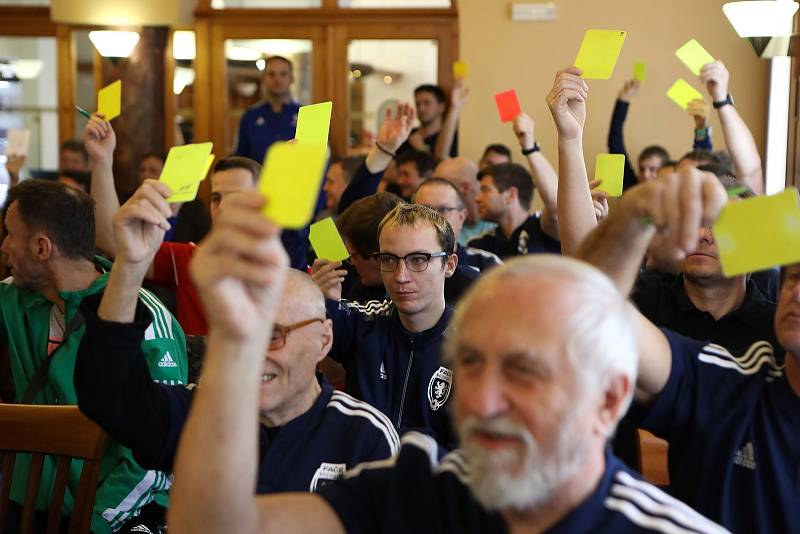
(140,128)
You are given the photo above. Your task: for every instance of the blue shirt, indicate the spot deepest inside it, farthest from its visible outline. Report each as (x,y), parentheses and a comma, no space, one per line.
(261,126)
(399,372)
(733,427)
(337,433)
(415,493)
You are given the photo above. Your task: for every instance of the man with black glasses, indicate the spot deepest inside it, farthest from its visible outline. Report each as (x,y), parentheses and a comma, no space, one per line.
(391,349)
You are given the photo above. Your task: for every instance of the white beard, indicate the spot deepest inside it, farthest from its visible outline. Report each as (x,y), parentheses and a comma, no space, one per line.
(539,476)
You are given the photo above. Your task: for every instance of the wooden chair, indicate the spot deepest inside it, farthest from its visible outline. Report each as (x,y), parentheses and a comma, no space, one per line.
(654,459)
(61,431)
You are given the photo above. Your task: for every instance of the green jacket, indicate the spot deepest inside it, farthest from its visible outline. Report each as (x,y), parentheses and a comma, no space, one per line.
(123,487)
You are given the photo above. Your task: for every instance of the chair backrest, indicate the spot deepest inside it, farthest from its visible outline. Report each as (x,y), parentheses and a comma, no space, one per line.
(61,431)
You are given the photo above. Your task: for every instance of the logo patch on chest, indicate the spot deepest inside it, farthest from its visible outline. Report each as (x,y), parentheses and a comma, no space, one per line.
(327,473)
(439,387)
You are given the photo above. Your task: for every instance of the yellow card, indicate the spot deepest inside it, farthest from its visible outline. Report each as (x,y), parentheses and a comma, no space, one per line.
(313,123)
(640,71)
(610,168)
(290,181)
(758,233)
(185,168)
(694,56)
(327,241)
(599,52)
(460,70)
(682,93)
(109,100)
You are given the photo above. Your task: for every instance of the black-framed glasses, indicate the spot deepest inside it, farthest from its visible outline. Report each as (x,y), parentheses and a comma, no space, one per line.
(280,332)
(416,261)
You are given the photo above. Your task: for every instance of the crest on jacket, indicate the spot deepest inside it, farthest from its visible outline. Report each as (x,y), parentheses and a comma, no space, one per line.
(439,387)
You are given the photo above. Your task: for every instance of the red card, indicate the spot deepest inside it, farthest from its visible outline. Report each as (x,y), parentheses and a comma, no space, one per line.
(507,105)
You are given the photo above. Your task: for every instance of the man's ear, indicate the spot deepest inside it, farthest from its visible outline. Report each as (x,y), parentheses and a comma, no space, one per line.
(612,403)
(326,339)
(450,265)
(512,195)
(41,247)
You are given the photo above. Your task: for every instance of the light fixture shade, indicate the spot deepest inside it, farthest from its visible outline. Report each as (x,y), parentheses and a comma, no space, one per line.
(183,76)
(761,18)
(183,45)
(27,69)
(114,43)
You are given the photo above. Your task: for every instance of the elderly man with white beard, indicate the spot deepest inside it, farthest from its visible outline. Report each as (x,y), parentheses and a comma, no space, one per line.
(545,362)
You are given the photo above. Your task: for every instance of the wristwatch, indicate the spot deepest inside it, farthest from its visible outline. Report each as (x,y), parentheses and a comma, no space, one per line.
(721,103)
(531,150)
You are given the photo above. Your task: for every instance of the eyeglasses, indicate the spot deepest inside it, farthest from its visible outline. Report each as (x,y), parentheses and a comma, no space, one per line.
(416,261)
(280,332)
(443,210)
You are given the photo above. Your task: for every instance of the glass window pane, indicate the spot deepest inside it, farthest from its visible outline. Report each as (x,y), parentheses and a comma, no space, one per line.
(264,4)
(382,73)
(394,3)
(29,98)
(24,2)
(245,58)
(85,95)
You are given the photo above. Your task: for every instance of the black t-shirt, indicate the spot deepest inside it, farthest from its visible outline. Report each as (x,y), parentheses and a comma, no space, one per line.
(663,300)
(527,238)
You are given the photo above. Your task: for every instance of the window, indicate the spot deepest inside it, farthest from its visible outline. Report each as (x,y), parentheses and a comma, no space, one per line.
(28,98)
(264,4)
(24,2)
(382,73)
(395,3)
(245,65)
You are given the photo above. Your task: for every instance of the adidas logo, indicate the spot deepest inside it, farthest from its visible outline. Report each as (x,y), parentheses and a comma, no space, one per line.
(383,372)
(745,457)
(167,361)
(141,528)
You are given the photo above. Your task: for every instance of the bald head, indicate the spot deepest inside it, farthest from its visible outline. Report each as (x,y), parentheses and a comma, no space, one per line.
(457,170)
(301,298)
(463,173)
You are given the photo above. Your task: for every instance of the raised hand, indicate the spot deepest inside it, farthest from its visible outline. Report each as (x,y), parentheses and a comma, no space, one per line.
(698,109)
(629,90)
(14,164)
(395,128)
(328,277)
(599,200)
(99,139)
(240,269)
(678,205)
(460,94)
(567,103)
(140,224)
(715,76)
(523,128)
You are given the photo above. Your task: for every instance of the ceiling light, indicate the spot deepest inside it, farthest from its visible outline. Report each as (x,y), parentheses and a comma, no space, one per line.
(183,45)
(27,69)
(183,76)
(114,43)
(762,18)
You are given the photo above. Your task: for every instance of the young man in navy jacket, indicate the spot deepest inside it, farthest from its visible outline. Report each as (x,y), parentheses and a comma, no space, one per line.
(391,350)
(309,434)
(545,360)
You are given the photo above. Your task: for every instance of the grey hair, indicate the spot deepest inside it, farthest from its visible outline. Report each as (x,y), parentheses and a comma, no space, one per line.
(602,340)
